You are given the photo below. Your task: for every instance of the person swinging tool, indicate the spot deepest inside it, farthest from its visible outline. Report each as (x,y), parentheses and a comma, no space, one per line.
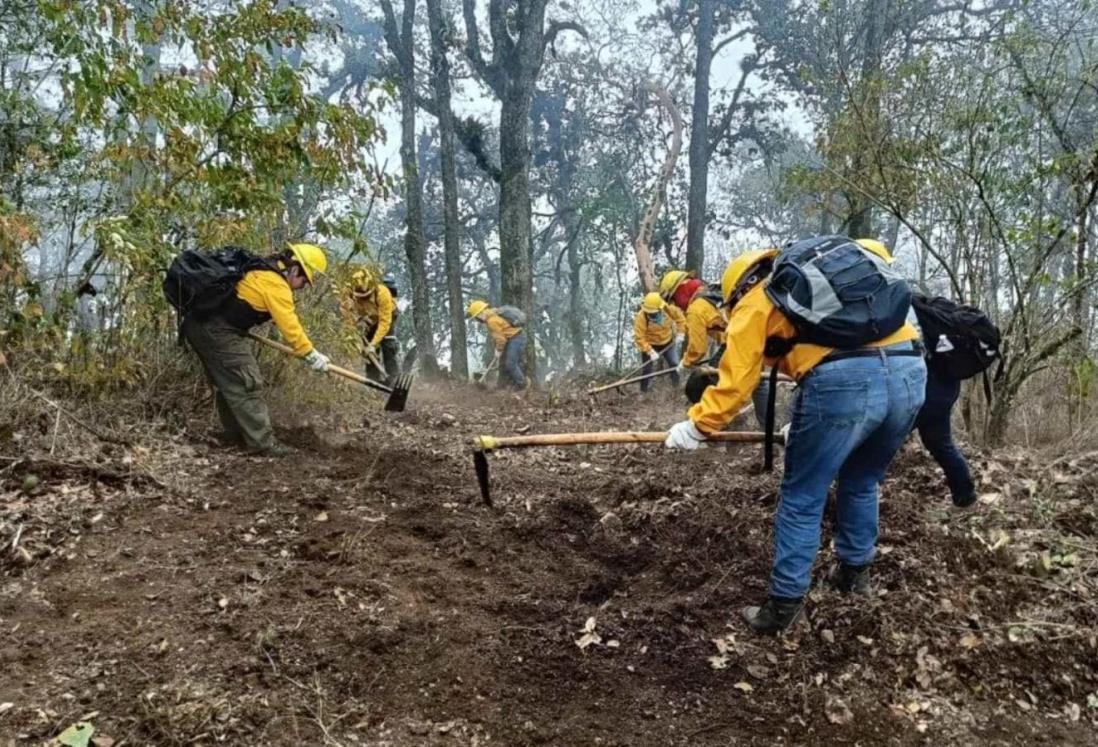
(506,327)
(220,297)
(658,330)
(861,380)
(701,305)
(375,312)
(706,321)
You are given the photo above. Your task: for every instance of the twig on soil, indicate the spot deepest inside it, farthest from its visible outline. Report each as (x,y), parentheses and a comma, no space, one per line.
(717,585)
(101,473)
(1070,458)
(56,428)
(89,428)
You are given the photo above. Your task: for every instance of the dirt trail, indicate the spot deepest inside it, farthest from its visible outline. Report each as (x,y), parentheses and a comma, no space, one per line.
(362,595)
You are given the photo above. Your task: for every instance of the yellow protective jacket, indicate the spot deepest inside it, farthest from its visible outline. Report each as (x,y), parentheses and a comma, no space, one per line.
(500,330)
(754,319)
(704,322)
(646,334)
(376,308)
(268,292)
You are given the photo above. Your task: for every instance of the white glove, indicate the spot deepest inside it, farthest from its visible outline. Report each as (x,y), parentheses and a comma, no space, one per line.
(653,356)
(685,436)
(317,361)
(680,339)
(681,367)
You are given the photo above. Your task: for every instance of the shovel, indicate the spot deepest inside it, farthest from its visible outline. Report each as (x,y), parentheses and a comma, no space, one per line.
(398,392)
(483,444)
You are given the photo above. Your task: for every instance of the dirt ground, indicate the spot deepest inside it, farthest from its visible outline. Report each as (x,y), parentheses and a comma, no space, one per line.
(175,593)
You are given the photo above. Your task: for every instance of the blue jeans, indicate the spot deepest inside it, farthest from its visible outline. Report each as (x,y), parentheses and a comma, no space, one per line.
(511,364)
(936,433)
(850,418)
(670,355)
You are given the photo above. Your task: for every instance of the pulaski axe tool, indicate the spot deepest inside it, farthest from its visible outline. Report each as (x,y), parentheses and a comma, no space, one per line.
(483,444)
(480,378)
(398,392)
(633,372)
(632,380)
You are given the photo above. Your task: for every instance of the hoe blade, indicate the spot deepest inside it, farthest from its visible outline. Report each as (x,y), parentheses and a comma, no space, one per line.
(399,398)
(480,464)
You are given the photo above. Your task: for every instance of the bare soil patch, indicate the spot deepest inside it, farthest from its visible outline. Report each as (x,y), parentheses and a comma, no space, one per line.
(361,593)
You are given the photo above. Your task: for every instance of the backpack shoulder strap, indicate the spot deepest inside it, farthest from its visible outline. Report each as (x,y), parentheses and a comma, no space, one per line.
(771,406)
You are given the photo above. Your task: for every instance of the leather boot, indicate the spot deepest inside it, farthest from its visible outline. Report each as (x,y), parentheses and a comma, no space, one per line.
(851,579)
(776,615)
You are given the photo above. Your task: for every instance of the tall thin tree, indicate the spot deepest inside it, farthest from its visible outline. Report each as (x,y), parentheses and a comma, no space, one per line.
(451,222)
(401,42)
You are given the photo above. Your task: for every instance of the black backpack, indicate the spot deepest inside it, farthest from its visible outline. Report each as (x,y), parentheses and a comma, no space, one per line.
(961,341)
(835,294)
(202,283)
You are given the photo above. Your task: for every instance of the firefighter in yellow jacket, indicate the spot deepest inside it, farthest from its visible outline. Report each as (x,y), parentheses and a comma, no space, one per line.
(219,340)
(658,330)
(700,302)
(507,330)
(374,311)
(854,408)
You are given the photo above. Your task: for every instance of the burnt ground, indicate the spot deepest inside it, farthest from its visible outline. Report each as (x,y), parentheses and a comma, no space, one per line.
(175,593)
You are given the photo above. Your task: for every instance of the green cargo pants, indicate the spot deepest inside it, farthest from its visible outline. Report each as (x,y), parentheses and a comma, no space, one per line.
(233,372)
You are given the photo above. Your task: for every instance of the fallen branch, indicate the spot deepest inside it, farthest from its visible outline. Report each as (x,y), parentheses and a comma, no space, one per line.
(102,474)
(89,428)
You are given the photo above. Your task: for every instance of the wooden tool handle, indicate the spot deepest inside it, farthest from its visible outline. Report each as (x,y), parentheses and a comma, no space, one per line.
(634,380)
(332,368)
(487,443)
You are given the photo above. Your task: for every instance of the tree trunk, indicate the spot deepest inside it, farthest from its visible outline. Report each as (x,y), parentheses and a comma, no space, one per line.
(699,141)
(402,45)
(860,216)
(576,311)
(642,245)
(440,68)
(516,275)
(516,61)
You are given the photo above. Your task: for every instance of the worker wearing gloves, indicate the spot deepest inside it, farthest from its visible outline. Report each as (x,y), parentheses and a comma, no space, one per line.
(373,311)
(658,329)
(701,305)
(853,410)
(262,295)
(506,328)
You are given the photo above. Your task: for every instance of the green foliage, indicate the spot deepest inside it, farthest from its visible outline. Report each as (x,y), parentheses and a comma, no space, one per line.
(219,149)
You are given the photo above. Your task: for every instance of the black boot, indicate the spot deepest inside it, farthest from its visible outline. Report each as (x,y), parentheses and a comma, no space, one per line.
(964,500)
(851,579)
(776,615)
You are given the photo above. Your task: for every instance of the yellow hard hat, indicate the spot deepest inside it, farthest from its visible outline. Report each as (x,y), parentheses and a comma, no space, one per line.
(311,258)
(653,303)
(363,282)
(477,307)
(876,247)
(739,269)
(671,281)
